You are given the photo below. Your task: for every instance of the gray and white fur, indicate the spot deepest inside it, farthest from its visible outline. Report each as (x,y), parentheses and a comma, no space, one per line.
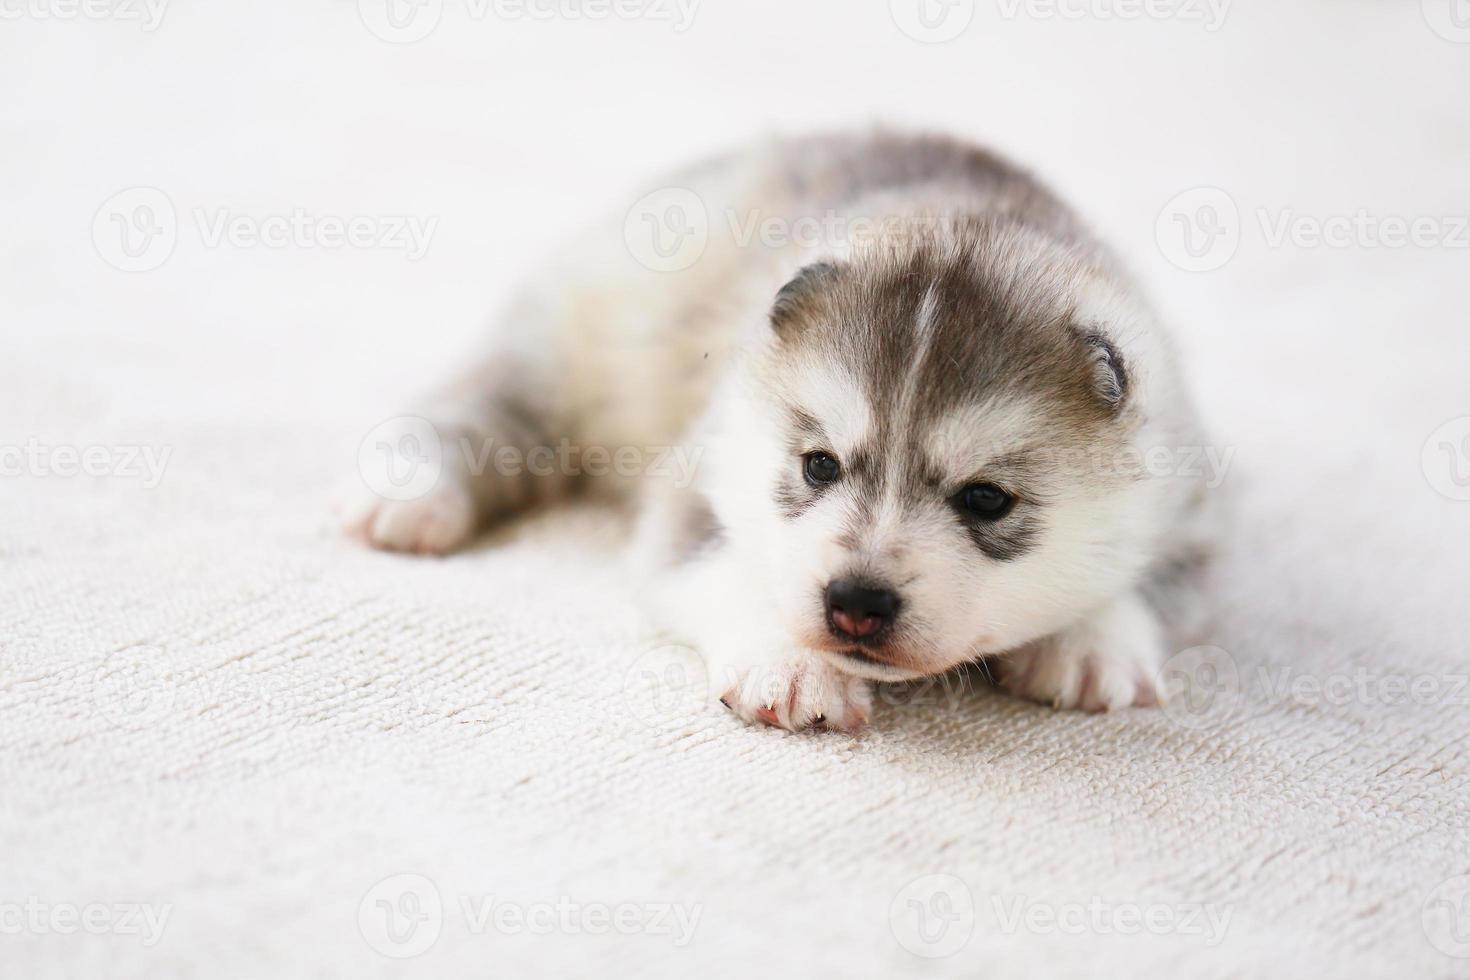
(994,403)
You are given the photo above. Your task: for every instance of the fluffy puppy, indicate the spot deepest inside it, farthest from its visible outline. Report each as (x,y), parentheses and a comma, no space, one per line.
(924,418)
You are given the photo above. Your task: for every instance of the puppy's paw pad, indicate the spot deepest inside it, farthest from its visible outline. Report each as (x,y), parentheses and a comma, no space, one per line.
(799,694)
(433,524)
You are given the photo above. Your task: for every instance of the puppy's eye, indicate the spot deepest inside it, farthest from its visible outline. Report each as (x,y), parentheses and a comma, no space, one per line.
(986,501)
(821,468)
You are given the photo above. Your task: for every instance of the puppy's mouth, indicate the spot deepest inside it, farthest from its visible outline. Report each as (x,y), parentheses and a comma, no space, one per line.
(861,663)
(879,658)
(865,661)
(862,656)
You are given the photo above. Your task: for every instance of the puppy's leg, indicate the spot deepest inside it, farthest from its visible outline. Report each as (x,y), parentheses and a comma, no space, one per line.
(1110,659)
(713,599)
(488,446)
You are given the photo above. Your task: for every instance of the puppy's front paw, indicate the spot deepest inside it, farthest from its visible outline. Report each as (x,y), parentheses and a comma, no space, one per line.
(797,693)
(435,523)
(1108,661)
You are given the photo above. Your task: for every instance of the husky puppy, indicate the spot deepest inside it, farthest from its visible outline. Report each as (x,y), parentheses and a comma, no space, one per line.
(933,423)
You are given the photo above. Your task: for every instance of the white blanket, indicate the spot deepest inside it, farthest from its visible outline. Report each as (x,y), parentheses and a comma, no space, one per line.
(233,744)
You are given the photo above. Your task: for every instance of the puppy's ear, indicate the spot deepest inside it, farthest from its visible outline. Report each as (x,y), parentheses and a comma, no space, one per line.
(798,302)
(1109,374)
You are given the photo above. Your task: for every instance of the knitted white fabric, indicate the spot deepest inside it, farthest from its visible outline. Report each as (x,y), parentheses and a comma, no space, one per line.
(233,744)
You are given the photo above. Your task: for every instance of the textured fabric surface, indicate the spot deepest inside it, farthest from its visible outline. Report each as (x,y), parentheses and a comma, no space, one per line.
(304,759)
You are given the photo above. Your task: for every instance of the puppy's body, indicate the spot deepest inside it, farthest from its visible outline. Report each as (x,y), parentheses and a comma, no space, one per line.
(933,422)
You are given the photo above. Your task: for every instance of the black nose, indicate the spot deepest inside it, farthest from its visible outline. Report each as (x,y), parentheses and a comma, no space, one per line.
(859,611)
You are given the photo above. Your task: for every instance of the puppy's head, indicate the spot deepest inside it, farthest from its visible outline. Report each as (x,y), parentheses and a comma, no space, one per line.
(933,417)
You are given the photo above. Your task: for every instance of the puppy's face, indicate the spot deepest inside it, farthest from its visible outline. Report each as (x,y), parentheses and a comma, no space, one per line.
(933,421)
